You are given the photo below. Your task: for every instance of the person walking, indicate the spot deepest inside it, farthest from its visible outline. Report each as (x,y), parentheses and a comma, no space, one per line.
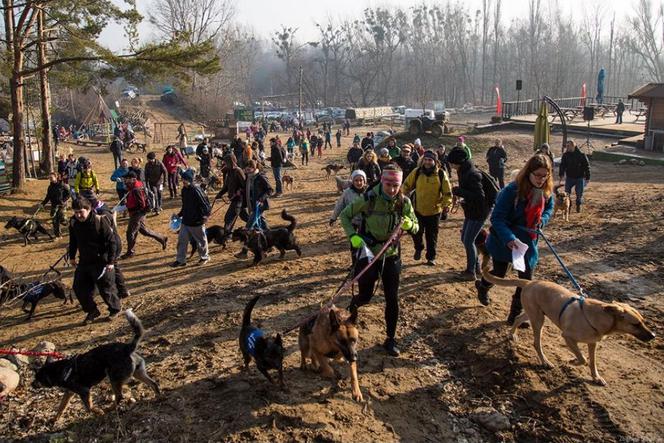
(257,193)
(546,150)
(620,109)
(432,196)
(172,160)
(496,157)
(475,211)
(234,187)
(195,212)
(86,184)
(137,206)
(304,150)
(277,160)
(392,148)
(404,160)
(461,143)
(338,137)
(367,142)
(575,170)
(155,177)
(382,210)
(369,164)
(354,155)
(522,207)
(116,149)
(182,140)
(93,238)
(352,193)
(328,137)
(118,178)
(57,194)
(135,167)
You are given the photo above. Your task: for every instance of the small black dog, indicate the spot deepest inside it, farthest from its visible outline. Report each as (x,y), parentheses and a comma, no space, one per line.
(282,238)
(36,292)
(27,227)
(78,374)
(267,352)
(215,234)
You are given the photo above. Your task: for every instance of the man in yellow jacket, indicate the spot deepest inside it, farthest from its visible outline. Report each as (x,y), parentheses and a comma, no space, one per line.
(432,196)
(86,184)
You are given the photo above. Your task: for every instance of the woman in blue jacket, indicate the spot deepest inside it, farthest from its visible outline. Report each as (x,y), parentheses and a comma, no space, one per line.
(522,207)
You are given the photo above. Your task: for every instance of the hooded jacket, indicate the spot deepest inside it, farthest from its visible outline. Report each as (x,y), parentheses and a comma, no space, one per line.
(471,190)
(94,239)
(431,195)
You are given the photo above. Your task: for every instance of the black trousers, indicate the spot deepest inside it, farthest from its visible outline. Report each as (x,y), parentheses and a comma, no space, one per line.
(57,218)
(232,213)
(500,270)
(173,184)
(428,230)
(499,175)
(391,271)
(135,226)
(120,283)
(85,280)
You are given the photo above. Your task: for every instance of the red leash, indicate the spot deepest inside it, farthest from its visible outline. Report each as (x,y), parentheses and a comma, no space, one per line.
(32,353)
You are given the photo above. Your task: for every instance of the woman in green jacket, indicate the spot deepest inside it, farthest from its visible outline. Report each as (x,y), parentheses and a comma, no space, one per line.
(382,209)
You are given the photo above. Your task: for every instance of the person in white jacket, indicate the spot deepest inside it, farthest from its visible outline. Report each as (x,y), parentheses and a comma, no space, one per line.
(355,191)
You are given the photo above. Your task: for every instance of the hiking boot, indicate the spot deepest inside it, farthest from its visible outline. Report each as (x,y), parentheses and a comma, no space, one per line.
(390,346)
(91,317)
(466,276)
(418,255)
(431,263)
(578,208)
(242,254)
(126,255)
(177,264)
(482,293)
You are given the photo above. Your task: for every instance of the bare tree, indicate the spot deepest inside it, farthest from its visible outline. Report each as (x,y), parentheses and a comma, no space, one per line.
(646,38)
(198,20)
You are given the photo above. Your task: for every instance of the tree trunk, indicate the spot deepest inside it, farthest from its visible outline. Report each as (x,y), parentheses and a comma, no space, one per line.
(47,146)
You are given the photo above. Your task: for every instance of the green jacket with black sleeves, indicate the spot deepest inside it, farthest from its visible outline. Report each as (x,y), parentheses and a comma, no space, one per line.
(380,216)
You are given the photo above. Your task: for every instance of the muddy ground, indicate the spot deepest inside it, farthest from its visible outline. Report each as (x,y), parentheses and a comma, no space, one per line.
(457,365)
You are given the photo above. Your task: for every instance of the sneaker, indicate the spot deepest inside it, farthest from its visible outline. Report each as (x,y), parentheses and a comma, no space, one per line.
(431,263)
(482,293)
(91,317)
(390,346)
(203,261)
(418,255)
(177,264)
(466,276)
(126,255)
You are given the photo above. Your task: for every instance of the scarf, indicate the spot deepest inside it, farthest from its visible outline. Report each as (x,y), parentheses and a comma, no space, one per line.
(534,210)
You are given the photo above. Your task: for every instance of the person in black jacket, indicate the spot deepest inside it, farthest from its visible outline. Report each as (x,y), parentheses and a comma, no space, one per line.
(194,213)
(575,169)
(234,186)
(496,158)
(93,237)
(58,194)
(367,142)
(155,177)
(277,159)
(442,159)
(257,192)
(354,155)
(103,210)
(369,164)
(620,109)
(116,149)
(404,161)
(475,212)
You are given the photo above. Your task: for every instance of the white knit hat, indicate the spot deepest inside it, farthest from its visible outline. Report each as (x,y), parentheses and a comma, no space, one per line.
(418,142)
(358,172)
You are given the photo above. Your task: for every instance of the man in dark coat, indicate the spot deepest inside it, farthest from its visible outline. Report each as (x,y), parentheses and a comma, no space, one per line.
(575,169)
(257,192)
(496,158)
(195,212)
(234,186)
(277,160)
(354,155)
(58,194)
(116,149)
(155,177)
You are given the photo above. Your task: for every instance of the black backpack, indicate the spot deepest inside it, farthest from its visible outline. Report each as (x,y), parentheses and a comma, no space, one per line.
(490,188)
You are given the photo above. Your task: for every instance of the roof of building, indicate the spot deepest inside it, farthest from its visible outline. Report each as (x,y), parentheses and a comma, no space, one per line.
(650,90)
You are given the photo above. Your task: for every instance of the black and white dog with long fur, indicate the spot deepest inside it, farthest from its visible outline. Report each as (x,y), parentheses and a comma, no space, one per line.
(78,374)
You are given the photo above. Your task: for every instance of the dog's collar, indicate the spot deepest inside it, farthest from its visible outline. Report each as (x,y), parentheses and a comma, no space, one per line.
(569,302)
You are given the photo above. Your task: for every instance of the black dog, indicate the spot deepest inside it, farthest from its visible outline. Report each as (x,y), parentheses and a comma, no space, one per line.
(267,352)
(27,227)
(78,374)
(282,238)
(215,234)
(35,292)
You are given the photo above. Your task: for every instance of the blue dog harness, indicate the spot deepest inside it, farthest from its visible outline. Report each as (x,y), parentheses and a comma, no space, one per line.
(569,302)
(34,292)
(252,337)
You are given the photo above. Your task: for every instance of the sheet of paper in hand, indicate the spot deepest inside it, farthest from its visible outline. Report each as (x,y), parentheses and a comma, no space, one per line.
(519,255)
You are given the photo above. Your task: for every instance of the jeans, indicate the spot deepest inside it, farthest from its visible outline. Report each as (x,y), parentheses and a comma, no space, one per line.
(234,212)
(578,185)
(173,184)
(619,118)
(276,170)
(469,232)
(117,159)
(156,190)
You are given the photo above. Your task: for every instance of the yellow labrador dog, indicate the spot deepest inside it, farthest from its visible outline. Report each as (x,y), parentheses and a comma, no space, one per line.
(581,320)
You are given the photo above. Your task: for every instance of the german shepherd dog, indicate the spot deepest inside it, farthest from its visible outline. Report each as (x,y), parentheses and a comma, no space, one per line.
(332,334)
(329,169)
(562,202)
(282,238)
(78,374)
(268,353)
(27,227)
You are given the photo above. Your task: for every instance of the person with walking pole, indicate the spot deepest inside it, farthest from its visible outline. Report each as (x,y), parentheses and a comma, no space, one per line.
(382,209)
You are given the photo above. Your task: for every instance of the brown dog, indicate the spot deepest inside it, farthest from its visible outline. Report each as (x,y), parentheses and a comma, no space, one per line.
(332,334)
(332,168)
(580,320)
(287,180)
(562,202)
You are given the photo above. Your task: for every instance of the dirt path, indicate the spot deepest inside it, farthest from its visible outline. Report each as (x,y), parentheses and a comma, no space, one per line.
(457,364)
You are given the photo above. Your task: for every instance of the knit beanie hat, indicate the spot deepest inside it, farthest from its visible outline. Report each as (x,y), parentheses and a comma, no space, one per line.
(358,173)
(430,154)
(188,175)
(457,156)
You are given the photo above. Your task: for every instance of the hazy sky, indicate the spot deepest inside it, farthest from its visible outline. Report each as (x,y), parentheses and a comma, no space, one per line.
(265,16)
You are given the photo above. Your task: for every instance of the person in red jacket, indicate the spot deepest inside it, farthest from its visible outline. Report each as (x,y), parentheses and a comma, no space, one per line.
(137,206)
(172,159)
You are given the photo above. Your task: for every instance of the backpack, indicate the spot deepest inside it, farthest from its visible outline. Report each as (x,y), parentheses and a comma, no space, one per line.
(441,178)
(490,188)
(150,199)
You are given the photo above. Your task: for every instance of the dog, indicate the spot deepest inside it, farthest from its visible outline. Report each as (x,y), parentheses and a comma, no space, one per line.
(332,168)
(332,334)
(268,353)
(27,227)
(215,234)
(78,374)
(580,320)
(342,184)
(562,202)
(36,292)
(282,238)
(288,182)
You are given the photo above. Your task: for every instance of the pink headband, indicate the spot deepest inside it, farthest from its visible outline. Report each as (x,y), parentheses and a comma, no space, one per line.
(391,176)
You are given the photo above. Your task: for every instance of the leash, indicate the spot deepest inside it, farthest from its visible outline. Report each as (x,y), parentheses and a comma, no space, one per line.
(51,268)
(57,355)
(224,202)
(256,222)
(29,221)
(394,237)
